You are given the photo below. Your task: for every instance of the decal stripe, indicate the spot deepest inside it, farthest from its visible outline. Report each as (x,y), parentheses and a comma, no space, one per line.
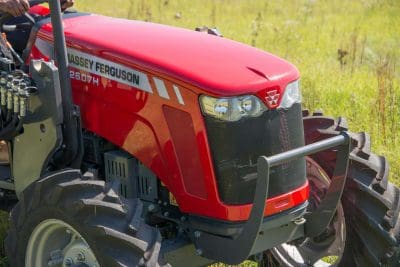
(178,95)
(99,66)
(161,89)
(44,47)
(109,69)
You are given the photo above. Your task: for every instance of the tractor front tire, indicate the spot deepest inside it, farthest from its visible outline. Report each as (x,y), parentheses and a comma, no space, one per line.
(371,203)
(66,220)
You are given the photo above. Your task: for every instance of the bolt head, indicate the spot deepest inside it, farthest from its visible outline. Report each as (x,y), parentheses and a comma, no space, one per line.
(199,252)
(390,213)
(69,262)
(80,257)
(197,234)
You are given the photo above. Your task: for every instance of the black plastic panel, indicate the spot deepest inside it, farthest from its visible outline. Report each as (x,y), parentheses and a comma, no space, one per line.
(236,146)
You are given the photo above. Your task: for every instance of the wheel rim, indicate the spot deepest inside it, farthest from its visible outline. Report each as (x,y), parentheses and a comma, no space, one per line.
(55,243)
(326,249)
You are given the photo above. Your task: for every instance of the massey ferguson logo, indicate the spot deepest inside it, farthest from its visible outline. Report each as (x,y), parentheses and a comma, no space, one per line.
(272,98)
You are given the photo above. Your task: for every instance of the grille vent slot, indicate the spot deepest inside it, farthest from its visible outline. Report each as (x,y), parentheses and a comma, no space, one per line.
(147,183)
(135,179)
(121,166)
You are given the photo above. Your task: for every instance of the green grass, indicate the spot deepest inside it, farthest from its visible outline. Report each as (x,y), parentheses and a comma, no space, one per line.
(3,233)
(348,52)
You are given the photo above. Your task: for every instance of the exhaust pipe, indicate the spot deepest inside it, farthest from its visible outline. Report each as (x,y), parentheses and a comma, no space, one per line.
(72,152)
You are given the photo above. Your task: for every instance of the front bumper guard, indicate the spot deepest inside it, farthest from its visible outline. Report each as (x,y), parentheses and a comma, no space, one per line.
(236,250)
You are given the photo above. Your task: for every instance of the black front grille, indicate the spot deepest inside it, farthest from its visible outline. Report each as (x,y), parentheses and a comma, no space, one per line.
(236,146)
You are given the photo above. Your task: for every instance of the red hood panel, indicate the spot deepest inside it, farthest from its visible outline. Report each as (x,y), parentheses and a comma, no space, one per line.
(217,65)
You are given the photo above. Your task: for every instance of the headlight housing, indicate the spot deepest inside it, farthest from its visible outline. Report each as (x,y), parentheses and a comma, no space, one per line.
(291,96)
(232,108)
(235,108)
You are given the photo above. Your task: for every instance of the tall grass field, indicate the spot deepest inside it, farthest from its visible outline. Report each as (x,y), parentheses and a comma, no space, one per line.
(348,52)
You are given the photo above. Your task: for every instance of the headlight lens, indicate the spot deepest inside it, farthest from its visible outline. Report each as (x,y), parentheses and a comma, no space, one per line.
(292,95)
(232,108)
(235,108)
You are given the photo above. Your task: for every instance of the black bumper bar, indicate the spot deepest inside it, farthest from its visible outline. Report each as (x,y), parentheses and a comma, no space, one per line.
(236,250)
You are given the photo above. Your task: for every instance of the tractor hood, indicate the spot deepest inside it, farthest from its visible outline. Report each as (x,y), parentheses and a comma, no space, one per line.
(217,65)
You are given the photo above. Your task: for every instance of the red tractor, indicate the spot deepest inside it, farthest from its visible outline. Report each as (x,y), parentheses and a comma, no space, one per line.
(138,144)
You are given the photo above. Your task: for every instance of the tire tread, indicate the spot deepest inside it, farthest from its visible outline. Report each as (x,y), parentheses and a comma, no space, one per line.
(103,216)
(371,202)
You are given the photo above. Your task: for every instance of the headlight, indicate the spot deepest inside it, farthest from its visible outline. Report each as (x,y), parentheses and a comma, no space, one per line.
(292,95)
(232,108)
(235,108)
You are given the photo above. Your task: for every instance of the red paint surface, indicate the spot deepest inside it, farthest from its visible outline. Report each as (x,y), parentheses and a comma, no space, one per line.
(39,10)
(134,120)
(180,126)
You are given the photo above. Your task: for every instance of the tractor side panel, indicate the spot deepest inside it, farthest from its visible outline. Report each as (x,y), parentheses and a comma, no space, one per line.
(154,117)
(129,117)
(147,126)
